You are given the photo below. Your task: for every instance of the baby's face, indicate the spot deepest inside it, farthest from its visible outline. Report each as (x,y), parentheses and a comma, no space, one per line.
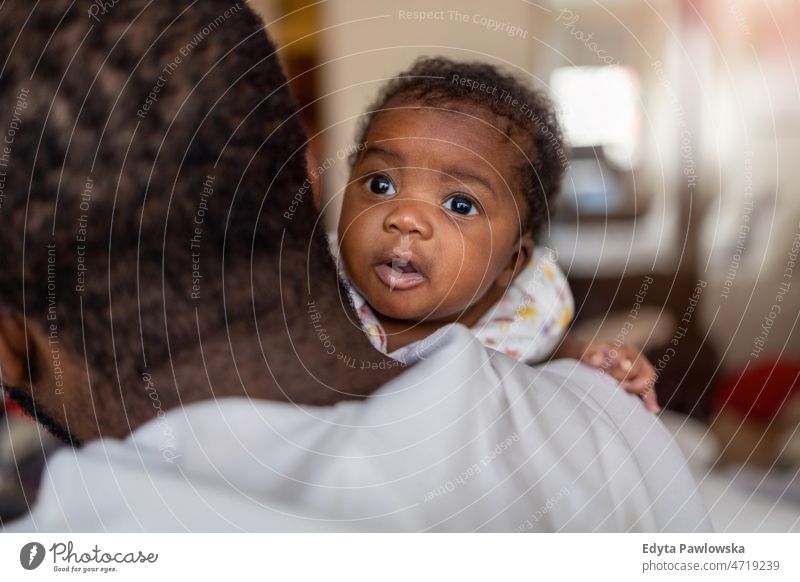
(430,223)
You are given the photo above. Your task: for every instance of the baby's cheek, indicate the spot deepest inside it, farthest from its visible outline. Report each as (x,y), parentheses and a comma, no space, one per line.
(354,224)
(468,248)
(364,225)
(477,272)
(480,252)
(349,250)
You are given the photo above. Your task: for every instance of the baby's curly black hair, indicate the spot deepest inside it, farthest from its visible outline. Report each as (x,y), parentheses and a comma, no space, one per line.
(524,115)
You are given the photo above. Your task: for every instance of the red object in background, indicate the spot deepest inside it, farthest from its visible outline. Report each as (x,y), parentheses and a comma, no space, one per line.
(760,392)
(11,406)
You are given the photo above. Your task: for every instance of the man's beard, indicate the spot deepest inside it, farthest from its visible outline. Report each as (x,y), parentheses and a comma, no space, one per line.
(27,403)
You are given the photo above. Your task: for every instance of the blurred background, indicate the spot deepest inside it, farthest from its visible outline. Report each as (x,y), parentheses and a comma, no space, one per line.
(679,221)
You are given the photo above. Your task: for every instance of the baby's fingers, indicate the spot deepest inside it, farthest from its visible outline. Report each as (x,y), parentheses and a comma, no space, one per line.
(622,369)
(643,388)
(595,355)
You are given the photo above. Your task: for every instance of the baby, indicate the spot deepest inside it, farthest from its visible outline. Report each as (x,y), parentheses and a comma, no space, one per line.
(458,168)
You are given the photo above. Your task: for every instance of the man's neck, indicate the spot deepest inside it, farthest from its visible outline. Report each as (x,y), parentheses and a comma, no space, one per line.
(328,362)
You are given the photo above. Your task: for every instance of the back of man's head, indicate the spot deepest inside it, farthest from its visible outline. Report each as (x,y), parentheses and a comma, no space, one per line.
(150,152)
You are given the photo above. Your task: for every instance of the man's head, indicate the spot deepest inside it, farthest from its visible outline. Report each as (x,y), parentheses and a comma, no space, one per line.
(458,166)
(152,170)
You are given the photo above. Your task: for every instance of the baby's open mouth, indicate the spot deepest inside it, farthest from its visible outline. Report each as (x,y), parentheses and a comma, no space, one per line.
(400,274)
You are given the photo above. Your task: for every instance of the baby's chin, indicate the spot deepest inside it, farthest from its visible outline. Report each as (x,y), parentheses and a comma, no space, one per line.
(397,310)
(404,308)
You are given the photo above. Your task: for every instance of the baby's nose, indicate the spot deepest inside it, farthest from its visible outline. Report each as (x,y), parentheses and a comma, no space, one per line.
(409,218)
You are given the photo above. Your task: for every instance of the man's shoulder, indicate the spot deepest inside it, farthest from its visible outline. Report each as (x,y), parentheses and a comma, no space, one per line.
(455,368)
(565,390)
(473,365)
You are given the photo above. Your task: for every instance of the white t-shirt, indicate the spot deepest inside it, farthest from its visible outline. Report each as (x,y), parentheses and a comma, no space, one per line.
(467,439)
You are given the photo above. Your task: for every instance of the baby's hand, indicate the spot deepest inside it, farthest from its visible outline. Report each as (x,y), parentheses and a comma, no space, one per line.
(626,365)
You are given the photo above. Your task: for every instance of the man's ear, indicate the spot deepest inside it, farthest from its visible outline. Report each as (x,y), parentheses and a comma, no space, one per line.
(13,349)
(519,260)
(36,380)
(313,175)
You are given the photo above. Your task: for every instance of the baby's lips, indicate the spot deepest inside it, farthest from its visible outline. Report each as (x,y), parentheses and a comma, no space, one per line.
(404,257)
(398,281)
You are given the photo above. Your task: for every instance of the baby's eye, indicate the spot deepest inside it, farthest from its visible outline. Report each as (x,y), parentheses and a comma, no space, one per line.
(381,185)
(461,205)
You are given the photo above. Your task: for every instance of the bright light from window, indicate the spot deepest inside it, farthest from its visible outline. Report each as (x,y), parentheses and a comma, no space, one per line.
(600,107)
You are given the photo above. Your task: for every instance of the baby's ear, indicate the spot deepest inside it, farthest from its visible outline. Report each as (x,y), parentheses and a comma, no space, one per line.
(519,260)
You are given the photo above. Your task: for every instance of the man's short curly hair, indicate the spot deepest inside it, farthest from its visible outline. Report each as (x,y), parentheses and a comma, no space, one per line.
(155,151)
(524,115)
